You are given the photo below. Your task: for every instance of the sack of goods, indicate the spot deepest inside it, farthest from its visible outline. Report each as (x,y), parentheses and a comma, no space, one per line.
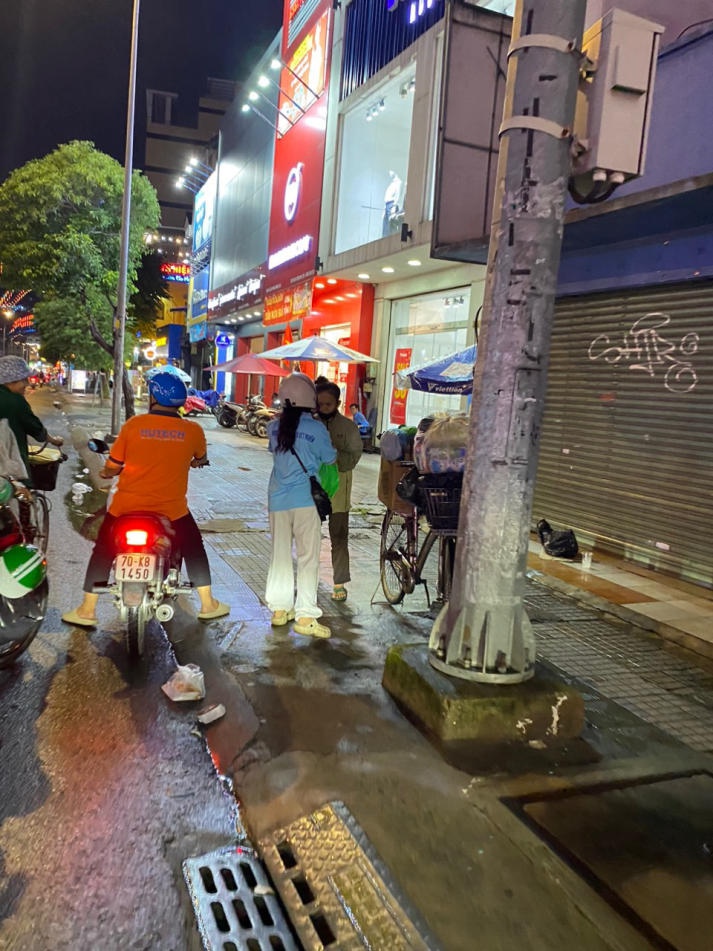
(440,443)
(397,444)
(557,544)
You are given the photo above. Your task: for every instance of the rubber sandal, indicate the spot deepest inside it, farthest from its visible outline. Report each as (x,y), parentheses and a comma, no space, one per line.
(71,617)
(280,618)
(339,593)
(310,627)
(220,611)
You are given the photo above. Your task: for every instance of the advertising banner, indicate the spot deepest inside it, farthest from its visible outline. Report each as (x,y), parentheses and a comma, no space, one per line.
(288,305)
(198,312)
(397,410)
(203,212)
(244,291)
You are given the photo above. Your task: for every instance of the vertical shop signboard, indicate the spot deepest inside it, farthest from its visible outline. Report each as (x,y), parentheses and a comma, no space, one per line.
(299,151)
(397,411)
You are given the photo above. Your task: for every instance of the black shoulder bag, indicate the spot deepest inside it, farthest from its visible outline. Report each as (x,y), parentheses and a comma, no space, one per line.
(320,498)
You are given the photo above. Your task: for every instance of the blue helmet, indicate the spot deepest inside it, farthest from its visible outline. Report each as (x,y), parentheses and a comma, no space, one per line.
(168,389)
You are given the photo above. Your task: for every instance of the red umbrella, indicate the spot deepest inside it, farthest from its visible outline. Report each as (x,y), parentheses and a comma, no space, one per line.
(250,363)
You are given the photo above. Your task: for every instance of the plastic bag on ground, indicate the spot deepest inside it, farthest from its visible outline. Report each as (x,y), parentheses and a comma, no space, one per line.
(187,683)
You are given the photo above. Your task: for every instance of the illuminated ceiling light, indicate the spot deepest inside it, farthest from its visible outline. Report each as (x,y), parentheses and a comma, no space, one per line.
(329,300)
(331,280)
(382,105)
(275,64)
(352,295)
(319,284)
(363,277)
(339,297)
(387,270)
(368,117)
(245,107)
(263,81)
(414,263)
(252,95)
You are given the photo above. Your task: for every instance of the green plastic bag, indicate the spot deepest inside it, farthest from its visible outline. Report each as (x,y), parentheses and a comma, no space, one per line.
(328,476)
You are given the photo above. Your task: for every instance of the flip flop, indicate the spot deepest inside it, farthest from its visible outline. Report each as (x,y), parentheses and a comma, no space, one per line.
(339,593)
(220,611)
(71,617)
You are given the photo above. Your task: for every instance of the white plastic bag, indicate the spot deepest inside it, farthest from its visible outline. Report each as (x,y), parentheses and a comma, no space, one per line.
(187,683)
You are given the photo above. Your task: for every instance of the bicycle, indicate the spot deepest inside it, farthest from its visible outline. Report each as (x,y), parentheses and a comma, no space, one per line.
(402,559)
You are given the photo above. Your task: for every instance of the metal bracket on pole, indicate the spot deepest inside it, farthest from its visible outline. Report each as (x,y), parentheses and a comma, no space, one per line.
(535,124)
(544,41)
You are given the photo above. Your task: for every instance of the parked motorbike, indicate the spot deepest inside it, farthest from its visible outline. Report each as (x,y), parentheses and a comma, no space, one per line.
(227,413)
(259,418)
(146,570)
(23,583)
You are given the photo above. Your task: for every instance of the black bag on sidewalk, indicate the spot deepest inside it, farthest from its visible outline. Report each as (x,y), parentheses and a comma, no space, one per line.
(558,544)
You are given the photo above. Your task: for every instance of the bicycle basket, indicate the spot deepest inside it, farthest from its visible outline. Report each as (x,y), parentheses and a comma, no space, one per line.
(441,505)
(44,467)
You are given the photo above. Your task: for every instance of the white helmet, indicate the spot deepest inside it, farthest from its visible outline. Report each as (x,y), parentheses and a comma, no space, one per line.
(298,390)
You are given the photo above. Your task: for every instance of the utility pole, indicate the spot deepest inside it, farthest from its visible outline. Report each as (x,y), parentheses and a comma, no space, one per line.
(121,294)
(484,634)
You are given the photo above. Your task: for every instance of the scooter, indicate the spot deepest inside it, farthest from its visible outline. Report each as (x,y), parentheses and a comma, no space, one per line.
(259,418)
(23,584)
(228,413)
(146,570)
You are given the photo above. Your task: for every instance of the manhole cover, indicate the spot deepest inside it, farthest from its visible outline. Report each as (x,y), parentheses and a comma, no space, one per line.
(336,891)
(647,847)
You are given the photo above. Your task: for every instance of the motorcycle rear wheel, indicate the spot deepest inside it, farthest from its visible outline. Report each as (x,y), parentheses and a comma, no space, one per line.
(261,429)
(135,629)
(20,620)
(227,419)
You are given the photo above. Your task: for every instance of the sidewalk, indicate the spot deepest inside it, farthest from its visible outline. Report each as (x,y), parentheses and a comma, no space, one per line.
(481,850)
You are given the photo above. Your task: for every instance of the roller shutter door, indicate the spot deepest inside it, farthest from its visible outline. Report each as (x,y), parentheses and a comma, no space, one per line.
(626,453)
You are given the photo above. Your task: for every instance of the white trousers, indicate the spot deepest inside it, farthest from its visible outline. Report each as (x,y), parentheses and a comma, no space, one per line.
(304,527)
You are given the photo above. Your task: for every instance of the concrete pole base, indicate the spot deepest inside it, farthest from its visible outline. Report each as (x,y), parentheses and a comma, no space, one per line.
(539,712)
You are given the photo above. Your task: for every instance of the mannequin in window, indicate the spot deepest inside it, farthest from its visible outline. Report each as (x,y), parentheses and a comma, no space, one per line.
(391,202)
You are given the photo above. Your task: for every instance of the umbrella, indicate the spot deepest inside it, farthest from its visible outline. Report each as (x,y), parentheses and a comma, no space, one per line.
(168,368)
(317,348)
(452,374)
(250,363)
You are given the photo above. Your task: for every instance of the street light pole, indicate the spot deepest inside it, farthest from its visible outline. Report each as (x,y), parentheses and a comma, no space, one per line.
(120,316)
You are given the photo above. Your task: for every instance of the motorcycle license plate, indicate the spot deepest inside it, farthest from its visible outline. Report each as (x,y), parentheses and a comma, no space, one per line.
(135,567)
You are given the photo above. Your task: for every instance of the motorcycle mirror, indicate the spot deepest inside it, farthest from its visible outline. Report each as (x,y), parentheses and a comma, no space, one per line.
(98,445)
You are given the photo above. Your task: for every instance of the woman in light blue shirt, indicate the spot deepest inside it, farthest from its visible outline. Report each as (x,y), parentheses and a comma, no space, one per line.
(293,515)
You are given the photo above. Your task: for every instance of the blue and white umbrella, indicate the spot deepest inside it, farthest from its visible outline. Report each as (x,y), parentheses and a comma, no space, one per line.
(448,375)
(317,349)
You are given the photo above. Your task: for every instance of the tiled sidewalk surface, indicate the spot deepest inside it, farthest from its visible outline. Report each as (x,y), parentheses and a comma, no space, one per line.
(626,664)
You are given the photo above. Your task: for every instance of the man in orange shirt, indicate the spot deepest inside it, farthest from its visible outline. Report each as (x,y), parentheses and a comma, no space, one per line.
(152,455)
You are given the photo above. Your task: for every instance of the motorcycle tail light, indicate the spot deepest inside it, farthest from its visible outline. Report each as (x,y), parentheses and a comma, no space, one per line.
(136,537)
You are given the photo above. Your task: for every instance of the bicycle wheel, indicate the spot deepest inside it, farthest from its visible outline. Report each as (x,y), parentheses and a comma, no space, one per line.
(446,561)
(20,620)
(396,575)
(39,526)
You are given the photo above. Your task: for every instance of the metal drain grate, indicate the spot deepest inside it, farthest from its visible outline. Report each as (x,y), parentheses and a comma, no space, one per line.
(234,903)
(335,889)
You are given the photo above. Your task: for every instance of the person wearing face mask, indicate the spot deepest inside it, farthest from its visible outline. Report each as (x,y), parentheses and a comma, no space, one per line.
(346,439)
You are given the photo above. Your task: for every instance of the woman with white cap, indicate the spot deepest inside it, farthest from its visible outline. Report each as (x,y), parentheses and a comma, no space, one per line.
(298,443)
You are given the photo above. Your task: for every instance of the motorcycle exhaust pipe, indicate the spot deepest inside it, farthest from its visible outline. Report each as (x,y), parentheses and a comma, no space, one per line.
(164,612)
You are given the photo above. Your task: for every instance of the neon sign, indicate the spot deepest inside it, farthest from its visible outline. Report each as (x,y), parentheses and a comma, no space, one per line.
(416,8)
(180,273)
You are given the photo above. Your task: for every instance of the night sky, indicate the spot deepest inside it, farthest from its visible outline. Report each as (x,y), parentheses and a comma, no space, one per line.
(64,65)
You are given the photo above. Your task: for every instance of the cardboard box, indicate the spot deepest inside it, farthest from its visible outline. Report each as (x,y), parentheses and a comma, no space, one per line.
(390,474)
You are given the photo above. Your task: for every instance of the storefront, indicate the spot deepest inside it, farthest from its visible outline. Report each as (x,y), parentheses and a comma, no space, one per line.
(626,455)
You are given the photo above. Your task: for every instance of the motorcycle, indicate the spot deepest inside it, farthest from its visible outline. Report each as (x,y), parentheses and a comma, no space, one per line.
(194,406)
(24,587)
(259,418)
(146,570)
(228,413)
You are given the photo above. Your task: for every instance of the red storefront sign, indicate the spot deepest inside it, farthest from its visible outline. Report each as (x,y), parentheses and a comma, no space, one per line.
(299,157)
(397,411)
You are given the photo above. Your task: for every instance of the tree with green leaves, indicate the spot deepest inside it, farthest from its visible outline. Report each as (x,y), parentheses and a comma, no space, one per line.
(60,235)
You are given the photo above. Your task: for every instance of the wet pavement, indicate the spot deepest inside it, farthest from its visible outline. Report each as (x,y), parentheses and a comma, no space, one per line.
(462,832)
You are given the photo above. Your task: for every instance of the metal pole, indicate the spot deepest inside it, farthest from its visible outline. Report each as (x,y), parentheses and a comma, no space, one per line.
(484,634)
(120,318)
